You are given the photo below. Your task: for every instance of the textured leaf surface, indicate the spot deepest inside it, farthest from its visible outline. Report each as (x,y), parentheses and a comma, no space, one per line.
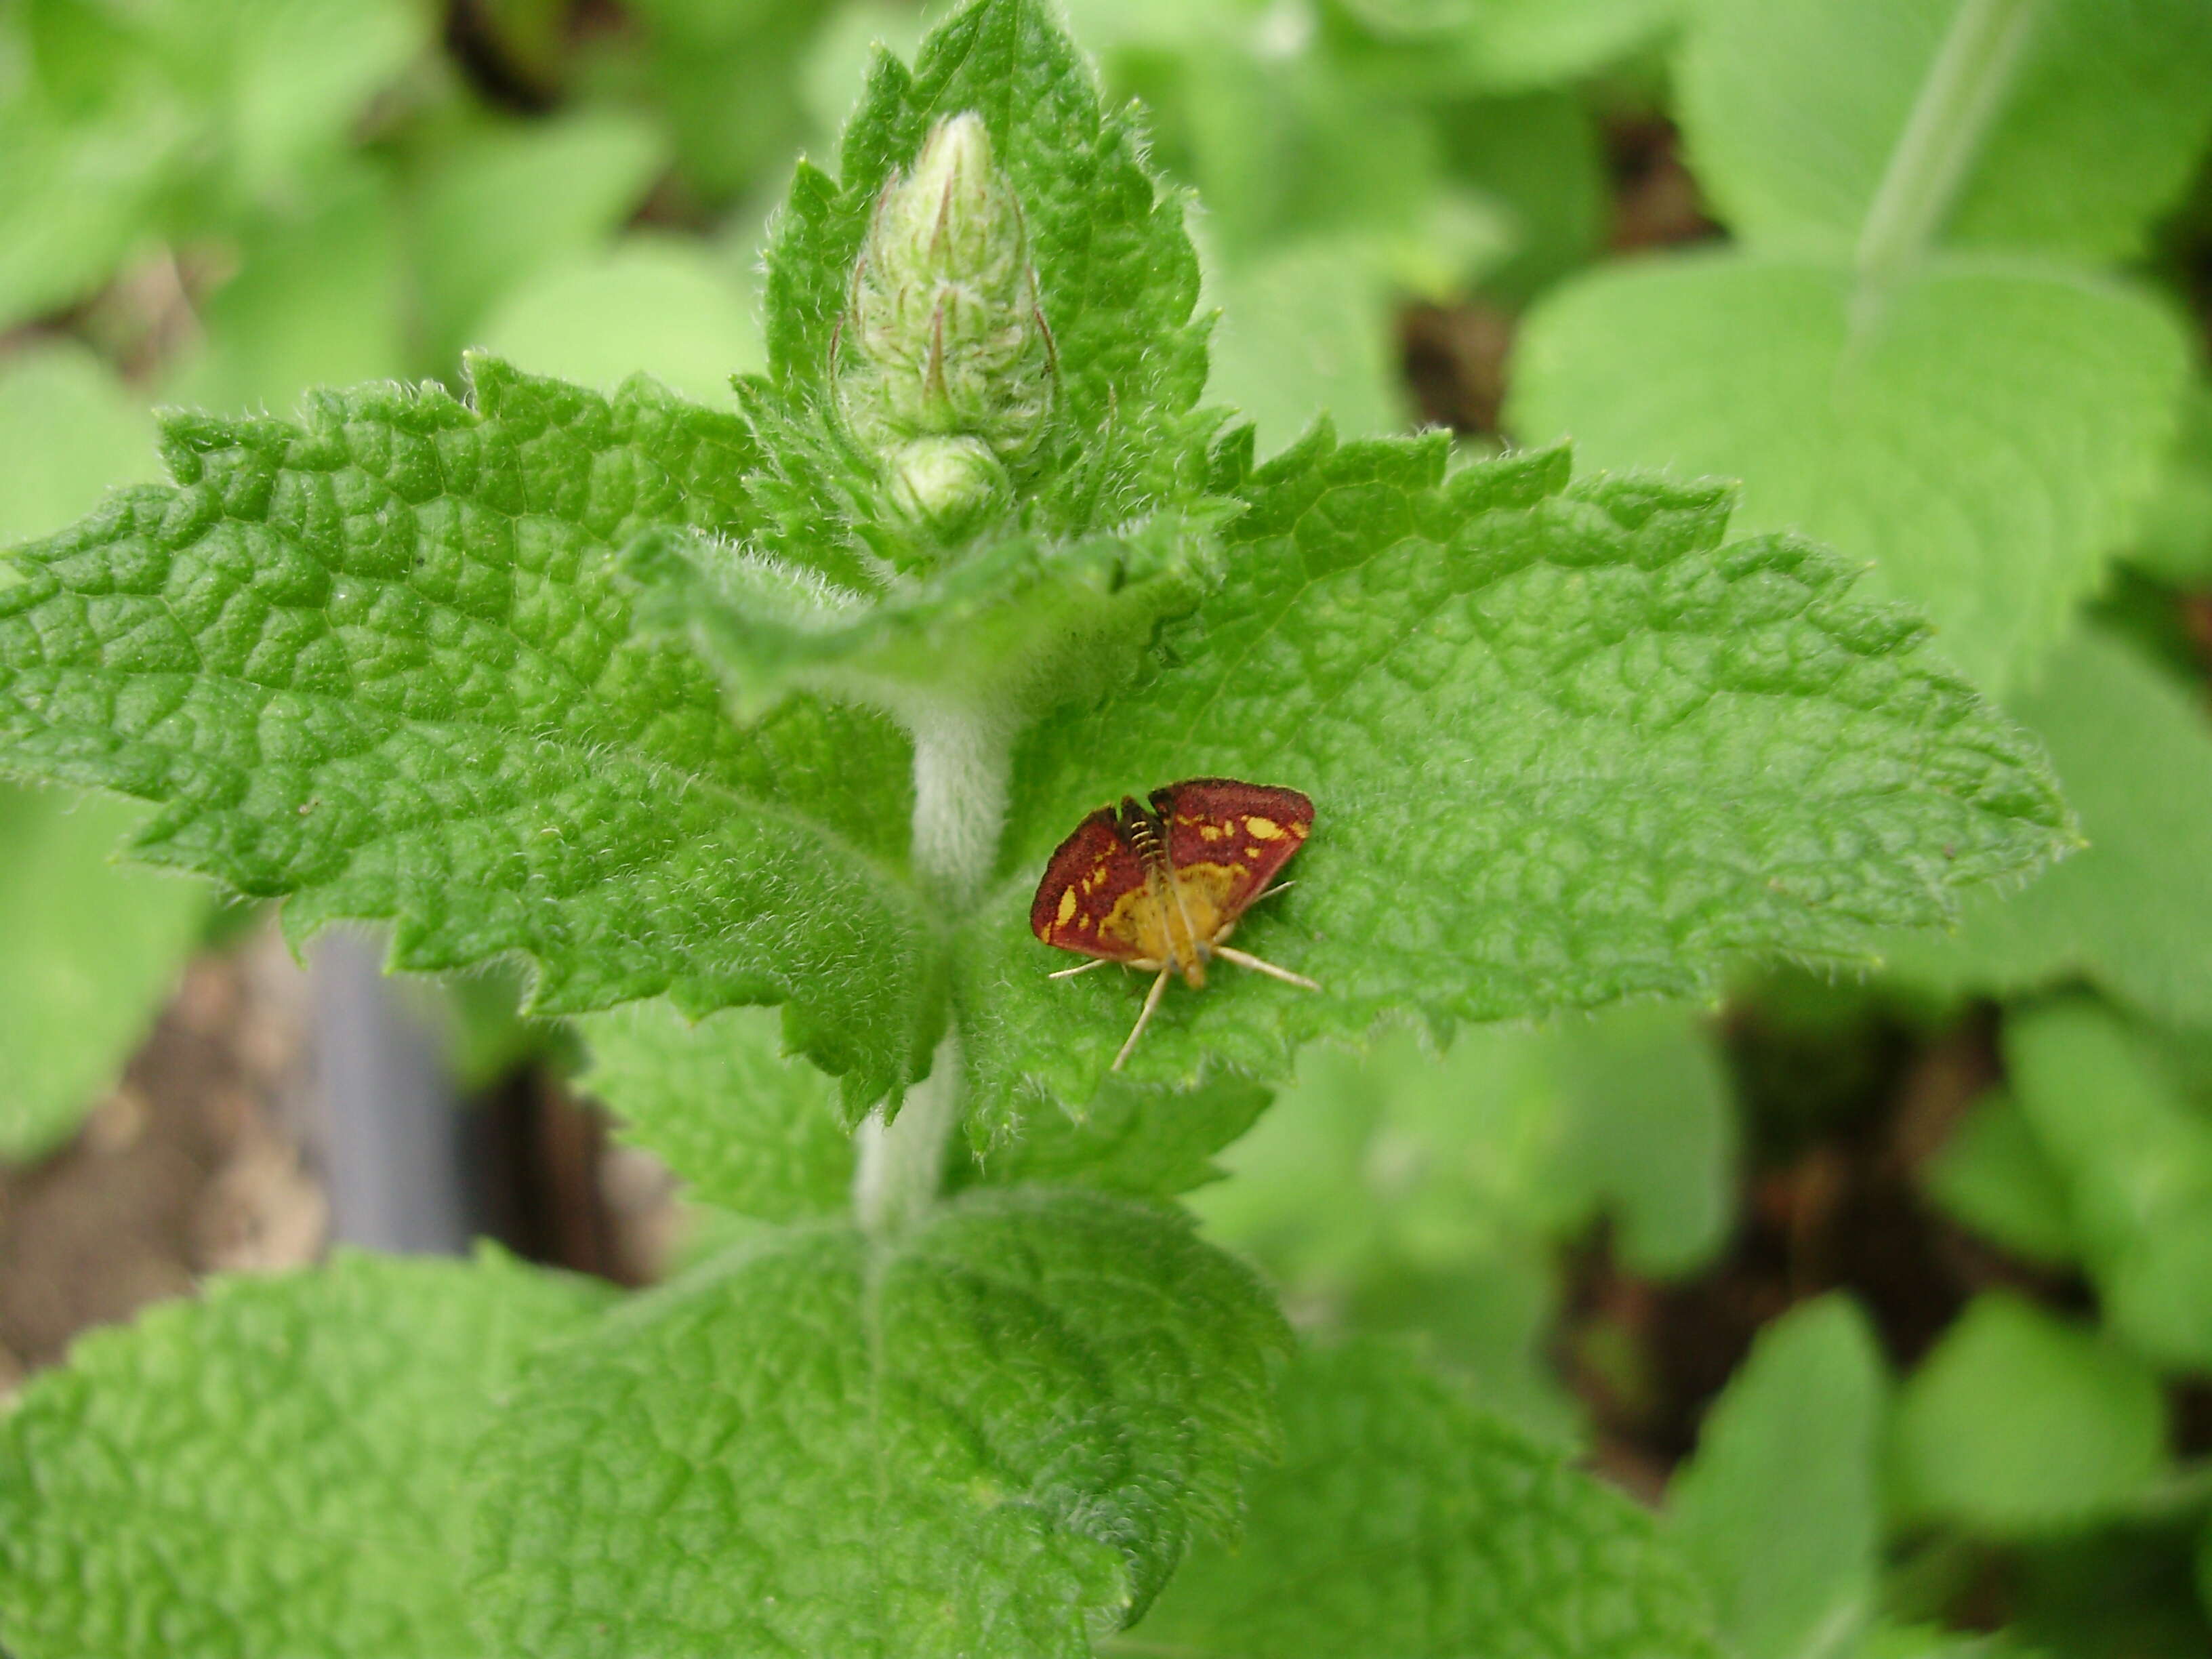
(1779,1511)
(748,1129)
(1564,746)
(2021,1423)
(765,1135)
(1404,1521)
(2133,911)
(375,661)
(2135,1155)
(993,1437)
(1117,278)
(1985,435)
(274,1469)
(1794,110)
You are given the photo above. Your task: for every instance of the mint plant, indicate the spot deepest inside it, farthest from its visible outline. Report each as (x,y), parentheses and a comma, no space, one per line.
(697,712)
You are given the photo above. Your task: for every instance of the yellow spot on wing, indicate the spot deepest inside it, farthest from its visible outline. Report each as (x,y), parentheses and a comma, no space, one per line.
(1263,829)
(1066,905)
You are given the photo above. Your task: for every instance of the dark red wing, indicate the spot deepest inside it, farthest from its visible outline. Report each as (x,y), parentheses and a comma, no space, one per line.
(1232,835)
(1079,904)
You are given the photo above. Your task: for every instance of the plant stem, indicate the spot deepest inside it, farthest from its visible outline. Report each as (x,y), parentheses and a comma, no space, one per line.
(902,1163)
(962,759)
(1964,88)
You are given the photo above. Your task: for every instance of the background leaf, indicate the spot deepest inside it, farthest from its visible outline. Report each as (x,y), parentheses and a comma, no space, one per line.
(1402,1520)
(2049,397)
(1780,1511)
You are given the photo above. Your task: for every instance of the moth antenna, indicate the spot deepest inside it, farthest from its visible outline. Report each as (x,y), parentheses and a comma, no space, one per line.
(1246,959)
(1276,889)
(1151,1001)
(1070,973)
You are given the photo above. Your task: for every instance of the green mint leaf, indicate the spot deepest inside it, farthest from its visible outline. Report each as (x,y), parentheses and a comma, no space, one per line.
(1780,1509)
(1992,1174)
(2020,1424)
(2134,911)
(1017,622)
(757,1132)
(660,305)
(2135,1155)
(2074,122)
(276,1467)
(1403,1521)
(91,953)
(994,1436)
(376,661)
(2050,399)
(1564,746)
(749,1129)
(1116,277)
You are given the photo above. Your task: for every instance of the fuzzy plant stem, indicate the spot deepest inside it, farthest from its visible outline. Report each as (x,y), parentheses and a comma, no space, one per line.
(962,759)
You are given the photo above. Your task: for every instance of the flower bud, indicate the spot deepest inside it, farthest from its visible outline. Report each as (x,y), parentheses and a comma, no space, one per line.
(943,349)
(945,482)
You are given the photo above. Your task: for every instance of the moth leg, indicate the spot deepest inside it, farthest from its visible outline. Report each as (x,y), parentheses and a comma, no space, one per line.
(1276,889)
(1246,959)
(1151,1001)
(1070,973)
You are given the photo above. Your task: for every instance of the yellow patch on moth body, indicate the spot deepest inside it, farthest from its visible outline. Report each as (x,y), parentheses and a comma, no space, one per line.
(1067,907)
(1263,830)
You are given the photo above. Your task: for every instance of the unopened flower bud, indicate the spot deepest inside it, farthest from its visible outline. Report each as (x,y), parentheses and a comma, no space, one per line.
(945,482)
(943,338)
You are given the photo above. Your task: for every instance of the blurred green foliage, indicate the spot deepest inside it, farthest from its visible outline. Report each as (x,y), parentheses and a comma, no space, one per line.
(1963,341)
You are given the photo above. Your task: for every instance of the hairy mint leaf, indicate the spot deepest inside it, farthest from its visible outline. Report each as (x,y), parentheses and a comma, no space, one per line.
(2134,911)
(1404,1521)
(1780,1509)
(1020,621)
(1117,279)
(374,661)
(1992,1174)
(275,1468)
(748,1129)
(757,1132)
(2049,398)
(994,1436)
(1564,746)
(1796,110)
(2021,1423)
(2135,1156)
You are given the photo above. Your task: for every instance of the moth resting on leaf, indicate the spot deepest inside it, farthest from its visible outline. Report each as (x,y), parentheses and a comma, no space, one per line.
(1161,887)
